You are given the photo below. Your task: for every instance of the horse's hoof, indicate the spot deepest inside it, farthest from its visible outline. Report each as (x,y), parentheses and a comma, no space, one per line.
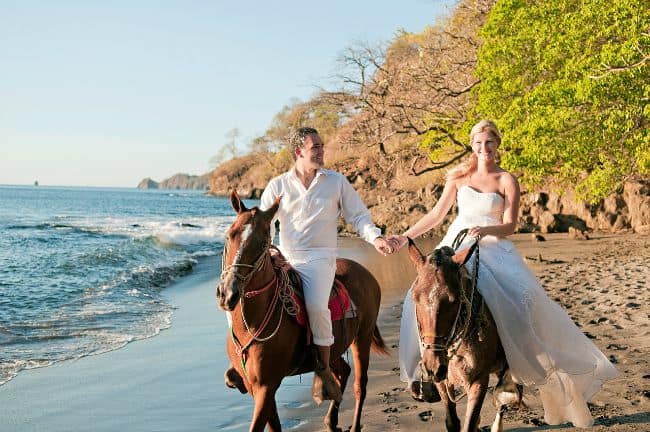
(426,392)
(234,380)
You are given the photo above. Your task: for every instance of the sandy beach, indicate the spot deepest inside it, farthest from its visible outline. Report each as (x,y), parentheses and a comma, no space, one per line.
(173,382)
(601,282)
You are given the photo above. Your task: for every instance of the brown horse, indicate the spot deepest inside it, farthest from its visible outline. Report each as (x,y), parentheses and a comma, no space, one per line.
(266,344)
(459,337)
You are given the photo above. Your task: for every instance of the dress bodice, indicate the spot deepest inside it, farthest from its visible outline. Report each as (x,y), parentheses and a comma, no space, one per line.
(479,208)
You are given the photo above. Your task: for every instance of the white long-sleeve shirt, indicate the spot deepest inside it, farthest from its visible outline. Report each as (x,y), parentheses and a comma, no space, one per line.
(308,217)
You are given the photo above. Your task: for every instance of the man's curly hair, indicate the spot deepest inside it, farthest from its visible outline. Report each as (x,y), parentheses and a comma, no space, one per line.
(296,139)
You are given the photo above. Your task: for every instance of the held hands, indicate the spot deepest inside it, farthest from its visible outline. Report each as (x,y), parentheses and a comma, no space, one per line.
(391,244)
(383,246)
(397,242)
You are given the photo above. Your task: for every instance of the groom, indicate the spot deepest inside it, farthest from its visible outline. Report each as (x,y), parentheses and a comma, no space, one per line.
(313,198)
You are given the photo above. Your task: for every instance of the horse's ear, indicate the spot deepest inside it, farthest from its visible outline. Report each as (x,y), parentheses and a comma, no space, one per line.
(414,253)
(236,202)
(270,212)
(463,256)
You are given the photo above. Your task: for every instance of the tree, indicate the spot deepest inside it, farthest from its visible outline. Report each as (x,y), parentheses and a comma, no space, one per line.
(229,149)
(417,88)
(568,81)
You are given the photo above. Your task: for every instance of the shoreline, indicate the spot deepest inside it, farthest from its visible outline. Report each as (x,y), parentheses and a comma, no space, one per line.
(174,381)
(169,382)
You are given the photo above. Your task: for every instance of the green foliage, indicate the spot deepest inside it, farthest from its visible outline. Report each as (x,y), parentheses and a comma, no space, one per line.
(568,83)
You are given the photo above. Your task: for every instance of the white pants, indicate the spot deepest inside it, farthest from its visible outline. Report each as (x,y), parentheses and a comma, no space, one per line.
(317,273)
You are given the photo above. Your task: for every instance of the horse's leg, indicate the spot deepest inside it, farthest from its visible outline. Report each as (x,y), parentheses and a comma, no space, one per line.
(274,419)
(361,354)
(475,396)
(265,409)
(497,425)
(452,422)
(341,371)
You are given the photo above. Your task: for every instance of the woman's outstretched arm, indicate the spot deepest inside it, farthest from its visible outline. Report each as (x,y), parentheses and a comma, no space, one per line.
(431,219)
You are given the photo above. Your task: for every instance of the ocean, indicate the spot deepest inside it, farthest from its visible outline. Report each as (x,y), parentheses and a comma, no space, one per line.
(82,270)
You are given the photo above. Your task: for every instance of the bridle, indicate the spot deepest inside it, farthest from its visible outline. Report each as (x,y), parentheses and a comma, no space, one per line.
(283,293)
(452,341)
(242,348)
(234,268)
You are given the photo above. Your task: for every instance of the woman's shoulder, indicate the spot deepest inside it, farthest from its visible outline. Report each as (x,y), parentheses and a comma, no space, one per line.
(453,184)
(506,178)
(508,183)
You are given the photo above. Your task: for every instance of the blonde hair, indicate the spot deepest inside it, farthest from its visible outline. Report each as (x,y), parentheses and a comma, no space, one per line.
(467,168)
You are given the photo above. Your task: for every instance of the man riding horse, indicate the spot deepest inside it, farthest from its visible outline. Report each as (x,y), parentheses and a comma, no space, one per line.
(313,198)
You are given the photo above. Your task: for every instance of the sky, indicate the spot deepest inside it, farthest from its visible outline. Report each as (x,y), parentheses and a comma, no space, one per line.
(108,92)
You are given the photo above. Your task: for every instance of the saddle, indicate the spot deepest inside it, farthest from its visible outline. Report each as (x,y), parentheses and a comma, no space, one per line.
(340,304)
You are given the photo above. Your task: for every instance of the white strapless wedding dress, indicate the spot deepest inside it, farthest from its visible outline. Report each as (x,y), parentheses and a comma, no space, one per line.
(544,348)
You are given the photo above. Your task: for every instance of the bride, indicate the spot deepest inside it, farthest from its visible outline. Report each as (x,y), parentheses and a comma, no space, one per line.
(543,346)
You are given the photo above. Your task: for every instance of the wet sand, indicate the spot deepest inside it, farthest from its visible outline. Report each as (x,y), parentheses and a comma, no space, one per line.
(602,283)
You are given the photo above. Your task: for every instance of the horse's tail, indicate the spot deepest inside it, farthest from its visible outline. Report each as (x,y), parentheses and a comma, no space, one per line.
(377,343)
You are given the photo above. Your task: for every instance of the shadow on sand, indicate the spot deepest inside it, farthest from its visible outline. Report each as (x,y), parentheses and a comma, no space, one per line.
(637,418)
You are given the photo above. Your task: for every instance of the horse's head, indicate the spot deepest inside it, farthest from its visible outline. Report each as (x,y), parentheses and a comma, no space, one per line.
(247,240)
(436,294)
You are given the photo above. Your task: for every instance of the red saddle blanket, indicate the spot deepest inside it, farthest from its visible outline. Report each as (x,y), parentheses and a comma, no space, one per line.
(339,302)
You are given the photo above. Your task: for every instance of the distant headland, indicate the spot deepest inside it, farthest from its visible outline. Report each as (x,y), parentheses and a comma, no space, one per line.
(177,181)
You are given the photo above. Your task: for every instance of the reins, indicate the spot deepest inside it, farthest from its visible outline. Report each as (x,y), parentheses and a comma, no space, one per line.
(453,341)
(282,292)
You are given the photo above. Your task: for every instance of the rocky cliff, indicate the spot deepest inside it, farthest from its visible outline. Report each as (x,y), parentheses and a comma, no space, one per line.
(396,204)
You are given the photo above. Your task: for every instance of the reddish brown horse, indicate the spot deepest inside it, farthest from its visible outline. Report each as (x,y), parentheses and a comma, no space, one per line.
(458,336)
(267,344)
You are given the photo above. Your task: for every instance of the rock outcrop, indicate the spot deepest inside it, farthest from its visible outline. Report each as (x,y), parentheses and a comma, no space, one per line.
(396,206)
(186,181)
(539,212)
(148,183)
(244,173)
(552,212)
(178,181)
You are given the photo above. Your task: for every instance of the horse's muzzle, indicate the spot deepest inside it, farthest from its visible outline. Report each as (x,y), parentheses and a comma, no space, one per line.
(432,368)
(227,298)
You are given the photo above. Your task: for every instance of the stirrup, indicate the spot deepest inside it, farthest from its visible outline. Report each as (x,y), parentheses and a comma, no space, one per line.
(324,387)
(425,391)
